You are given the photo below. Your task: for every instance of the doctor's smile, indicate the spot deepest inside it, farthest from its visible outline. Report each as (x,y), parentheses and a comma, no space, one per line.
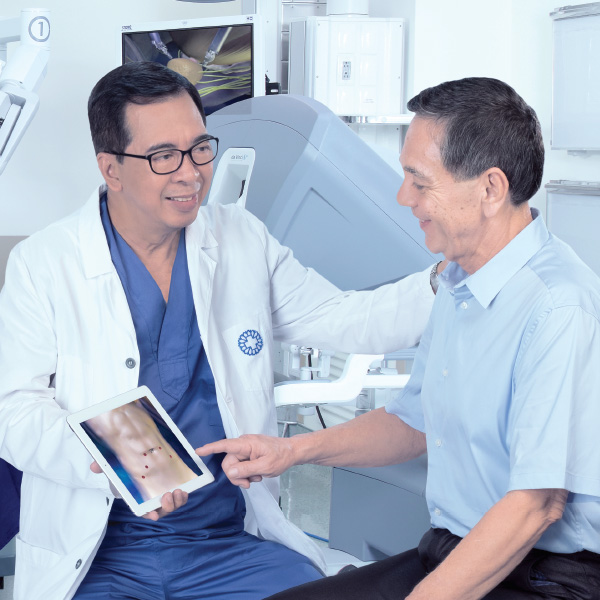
(302,314)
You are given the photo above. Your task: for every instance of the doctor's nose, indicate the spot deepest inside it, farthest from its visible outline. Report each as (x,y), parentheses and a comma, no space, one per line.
(188,171)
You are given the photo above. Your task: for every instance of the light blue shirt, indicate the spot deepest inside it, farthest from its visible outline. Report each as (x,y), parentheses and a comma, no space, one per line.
(506,386)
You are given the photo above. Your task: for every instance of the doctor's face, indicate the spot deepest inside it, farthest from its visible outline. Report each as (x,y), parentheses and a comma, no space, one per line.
(160,204)
(449,211)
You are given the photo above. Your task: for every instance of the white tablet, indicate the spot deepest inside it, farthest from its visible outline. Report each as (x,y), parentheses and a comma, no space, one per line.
(139,448)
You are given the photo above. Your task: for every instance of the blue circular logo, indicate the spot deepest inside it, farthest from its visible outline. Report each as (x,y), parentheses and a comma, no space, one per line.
(250,342)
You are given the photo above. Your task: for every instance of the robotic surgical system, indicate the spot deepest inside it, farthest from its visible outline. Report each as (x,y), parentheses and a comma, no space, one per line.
(324,193)
(21,76)
(319,189)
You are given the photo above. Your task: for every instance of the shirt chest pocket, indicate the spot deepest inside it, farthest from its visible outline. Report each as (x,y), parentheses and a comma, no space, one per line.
(249,345)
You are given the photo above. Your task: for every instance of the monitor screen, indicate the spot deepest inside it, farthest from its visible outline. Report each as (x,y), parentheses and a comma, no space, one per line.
(222,57)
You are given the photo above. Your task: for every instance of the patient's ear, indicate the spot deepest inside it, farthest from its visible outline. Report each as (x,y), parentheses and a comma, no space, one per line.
(111,170)
(495,191)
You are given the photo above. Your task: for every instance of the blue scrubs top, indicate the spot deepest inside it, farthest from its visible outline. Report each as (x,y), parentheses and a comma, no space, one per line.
(201,550)
(174,366)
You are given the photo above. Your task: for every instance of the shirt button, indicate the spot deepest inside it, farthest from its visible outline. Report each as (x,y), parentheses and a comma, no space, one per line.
(438,443)
(78,564)
(445,372)
(107,501)
(464,305)
(437,512)
(130,363)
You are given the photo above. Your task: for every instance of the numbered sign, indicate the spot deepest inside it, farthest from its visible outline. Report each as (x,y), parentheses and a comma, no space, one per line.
(35,27)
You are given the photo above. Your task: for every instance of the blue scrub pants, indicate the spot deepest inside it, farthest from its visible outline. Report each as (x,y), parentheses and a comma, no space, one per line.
(239,567)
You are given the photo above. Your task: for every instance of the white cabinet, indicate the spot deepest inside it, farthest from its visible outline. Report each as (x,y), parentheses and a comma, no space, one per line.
(576,78)
(353,65)
(573,214)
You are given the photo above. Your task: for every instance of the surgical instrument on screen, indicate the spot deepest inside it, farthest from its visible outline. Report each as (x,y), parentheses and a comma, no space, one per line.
(216,44)
(159,44)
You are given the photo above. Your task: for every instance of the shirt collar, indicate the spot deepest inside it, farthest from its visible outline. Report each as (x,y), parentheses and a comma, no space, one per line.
(486,282)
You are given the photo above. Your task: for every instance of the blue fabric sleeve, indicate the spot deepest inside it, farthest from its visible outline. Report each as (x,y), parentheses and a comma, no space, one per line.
(10,496)
(407,403)
(555,410)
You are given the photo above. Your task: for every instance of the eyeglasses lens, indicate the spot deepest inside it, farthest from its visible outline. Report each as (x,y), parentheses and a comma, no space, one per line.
(169,161)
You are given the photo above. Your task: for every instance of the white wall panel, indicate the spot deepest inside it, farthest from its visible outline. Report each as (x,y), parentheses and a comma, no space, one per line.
(54,169)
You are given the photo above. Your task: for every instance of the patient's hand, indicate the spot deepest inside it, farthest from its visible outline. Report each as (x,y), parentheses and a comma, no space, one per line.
(251,457)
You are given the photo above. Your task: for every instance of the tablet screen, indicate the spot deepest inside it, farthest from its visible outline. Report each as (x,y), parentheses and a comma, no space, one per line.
(139,448)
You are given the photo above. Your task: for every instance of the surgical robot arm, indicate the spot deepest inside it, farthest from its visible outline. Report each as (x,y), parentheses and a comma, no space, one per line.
(21,75)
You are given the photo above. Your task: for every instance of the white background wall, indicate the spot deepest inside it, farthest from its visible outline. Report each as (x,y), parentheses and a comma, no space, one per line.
(53,170)
(507,39)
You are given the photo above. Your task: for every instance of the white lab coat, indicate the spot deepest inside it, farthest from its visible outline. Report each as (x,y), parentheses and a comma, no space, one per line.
(66,333)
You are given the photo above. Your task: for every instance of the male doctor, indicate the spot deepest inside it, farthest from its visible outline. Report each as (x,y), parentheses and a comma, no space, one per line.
(141,286)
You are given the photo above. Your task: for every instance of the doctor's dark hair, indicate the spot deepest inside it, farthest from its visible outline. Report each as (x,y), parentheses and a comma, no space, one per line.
(486,124)
(132,83)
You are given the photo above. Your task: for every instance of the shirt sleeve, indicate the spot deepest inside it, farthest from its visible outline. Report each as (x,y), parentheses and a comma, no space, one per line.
(407,403)
(555,411)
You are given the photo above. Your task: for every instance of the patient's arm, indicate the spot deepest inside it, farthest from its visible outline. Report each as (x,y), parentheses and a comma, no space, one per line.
(373,439)
(494,547)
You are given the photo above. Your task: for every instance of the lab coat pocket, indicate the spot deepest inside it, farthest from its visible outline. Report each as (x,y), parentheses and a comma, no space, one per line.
(42,574)
(249,344)
(55,517)
(32,566)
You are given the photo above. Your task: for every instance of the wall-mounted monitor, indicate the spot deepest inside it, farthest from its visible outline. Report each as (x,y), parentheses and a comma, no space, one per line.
(222,56)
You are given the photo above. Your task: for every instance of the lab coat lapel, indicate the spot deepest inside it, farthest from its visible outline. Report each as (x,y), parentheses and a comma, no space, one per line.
(201,248)
(95,254)
(97,261)
(202,255)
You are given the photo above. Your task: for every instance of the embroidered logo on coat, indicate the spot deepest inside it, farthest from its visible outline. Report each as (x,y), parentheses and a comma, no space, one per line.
(250,342)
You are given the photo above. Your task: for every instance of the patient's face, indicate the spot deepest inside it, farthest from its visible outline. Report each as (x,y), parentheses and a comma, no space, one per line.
(449,211)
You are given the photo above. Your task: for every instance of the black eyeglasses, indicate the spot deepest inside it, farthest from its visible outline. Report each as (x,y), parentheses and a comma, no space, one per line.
(164,162)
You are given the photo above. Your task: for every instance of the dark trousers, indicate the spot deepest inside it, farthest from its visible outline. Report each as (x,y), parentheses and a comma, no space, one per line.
(541,575)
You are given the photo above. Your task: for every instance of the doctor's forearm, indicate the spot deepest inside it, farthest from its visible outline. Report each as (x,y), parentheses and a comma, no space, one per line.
(494,547)
(374,322)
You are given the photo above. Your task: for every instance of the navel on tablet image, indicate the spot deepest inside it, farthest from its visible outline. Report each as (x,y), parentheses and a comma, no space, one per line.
(142,450)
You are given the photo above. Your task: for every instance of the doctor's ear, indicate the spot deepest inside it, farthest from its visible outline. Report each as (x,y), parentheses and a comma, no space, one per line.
(110,169)
(496,191)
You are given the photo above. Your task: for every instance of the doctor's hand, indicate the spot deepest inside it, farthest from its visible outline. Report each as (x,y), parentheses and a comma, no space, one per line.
(252,457)
(170,501)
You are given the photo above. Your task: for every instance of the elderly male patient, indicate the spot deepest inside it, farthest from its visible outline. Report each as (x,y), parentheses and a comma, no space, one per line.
(504,390)
(142,286)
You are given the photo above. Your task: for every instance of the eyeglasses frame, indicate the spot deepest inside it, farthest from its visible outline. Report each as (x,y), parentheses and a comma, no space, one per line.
(148,157)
